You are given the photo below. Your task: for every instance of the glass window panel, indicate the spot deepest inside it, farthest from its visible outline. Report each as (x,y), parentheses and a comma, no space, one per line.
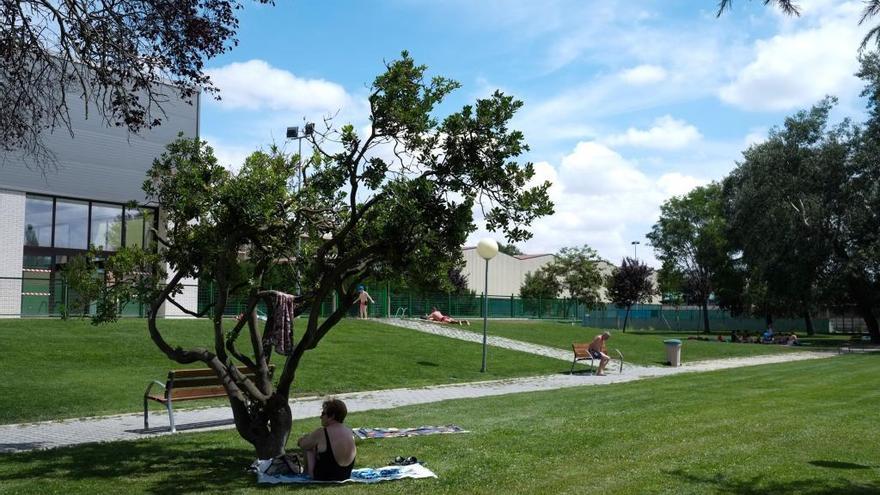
(106,226)
(134,227)
(71,224)
(38,221)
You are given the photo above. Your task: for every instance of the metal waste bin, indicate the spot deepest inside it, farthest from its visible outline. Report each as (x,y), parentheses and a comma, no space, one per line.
(673,352)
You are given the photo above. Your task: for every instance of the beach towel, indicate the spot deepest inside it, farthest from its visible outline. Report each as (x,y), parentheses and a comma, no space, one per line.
(363,475)
(363,433)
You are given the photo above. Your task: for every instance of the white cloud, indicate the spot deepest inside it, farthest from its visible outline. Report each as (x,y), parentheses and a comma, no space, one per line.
(602,199)
(256,85)
(801,65)
(643,74)
(667,133)
(229,155)
(755,136)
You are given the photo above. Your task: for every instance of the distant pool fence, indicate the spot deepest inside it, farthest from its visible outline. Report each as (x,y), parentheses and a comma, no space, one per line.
(51,297)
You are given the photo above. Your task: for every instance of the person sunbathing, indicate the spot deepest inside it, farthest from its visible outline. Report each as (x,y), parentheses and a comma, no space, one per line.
(437,316)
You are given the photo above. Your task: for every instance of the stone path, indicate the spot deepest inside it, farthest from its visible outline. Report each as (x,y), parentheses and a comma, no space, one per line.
(51,434)
(455,332)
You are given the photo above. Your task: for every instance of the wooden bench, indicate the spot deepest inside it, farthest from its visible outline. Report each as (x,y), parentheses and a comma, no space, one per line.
(857,341)
(582,353)
(193,384)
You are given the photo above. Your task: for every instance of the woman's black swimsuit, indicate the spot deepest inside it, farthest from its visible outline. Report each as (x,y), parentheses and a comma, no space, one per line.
(326,468)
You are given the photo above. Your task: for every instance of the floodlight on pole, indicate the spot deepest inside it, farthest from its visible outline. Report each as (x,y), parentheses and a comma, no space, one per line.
(293,133)
(635,245)
(487,248)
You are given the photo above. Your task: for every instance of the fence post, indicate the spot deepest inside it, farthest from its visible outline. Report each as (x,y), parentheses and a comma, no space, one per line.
(511,307)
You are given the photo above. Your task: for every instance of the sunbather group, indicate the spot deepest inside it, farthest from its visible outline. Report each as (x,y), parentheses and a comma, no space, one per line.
(767,337)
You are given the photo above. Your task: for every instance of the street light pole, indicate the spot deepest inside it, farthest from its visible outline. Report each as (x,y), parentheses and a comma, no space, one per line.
(635,245)
(487,249)
(293,133)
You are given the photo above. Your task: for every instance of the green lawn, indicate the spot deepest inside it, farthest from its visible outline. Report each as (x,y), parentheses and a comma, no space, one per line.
(56,369)
(637,347)
(805,427)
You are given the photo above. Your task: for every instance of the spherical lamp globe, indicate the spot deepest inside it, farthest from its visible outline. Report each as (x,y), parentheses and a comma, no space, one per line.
(487,248)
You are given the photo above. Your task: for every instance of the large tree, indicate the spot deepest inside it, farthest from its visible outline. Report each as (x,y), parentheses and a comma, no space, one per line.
(689,239)
(122,58)
(631,283)
(357,214)
(775,202)
(578,273)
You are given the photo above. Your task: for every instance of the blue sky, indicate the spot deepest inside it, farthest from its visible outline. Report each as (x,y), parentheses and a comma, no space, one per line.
(627,103)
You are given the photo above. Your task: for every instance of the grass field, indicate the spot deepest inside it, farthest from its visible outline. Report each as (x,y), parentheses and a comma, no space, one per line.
(56,369)
(806,427)
(644,348)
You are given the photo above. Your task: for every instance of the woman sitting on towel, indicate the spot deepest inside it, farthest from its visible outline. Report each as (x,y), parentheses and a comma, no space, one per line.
(330,450)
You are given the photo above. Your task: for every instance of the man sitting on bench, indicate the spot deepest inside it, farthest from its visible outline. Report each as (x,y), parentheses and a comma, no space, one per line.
(597,350)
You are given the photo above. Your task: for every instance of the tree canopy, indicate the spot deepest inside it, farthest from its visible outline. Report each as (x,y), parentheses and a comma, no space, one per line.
(393,200)
(122,57)
(690,241)
(630,283)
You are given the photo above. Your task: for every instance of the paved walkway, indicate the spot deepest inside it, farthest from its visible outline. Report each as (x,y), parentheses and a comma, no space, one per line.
(455,332)
(51,434)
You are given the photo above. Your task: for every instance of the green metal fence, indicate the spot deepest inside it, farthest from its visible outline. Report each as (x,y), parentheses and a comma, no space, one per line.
(48,295)
(687,319)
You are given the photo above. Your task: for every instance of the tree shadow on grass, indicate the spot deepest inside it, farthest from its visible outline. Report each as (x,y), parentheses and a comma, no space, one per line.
(761,485)
(163,465)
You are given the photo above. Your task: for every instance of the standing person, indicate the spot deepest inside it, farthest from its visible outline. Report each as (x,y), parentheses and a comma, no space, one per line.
(363,297)
(330,450)
(597,350)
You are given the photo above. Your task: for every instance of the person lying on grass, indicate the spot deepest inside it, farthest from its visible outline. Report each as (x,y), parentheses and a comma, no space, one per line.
(597,350)
(436,315)
(330,450)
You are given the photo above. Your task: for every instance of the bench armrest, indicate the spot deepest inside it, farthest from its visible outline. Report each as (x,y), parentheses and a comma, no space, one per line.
(150,386)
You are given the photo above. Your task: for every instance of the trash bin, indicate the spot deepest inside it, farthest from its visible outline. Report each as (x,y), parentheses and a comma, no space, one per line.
(673,352)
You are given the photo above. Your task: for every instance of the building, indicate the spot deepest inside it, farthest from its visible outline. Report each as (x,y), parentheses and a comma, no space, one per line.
(507,273)
(80,200)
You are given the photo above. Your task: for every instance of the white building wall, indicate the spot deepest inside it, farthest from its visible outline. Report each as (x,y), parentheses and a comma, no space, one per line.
(11,242)
(507,273)
(189,299)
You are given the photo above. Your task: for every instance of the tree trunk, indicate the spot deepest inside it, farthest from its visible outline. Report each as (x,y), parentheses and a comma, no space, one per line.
(864,310)
(626,318)
(861,292)
(705,307)
(808,322)
(267,427)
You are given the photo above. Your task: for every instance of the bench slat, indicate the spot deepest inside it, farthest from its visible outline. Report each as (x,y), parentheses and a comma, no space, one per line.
(178,374)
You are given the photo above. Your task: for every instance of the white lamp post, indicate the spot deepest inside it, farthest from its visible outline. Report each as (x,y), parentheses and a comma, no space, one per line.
(487,249)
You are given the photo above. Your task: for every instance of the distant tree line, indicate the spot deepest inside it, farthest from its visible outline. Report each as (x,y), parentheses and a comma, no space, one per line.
(794,228)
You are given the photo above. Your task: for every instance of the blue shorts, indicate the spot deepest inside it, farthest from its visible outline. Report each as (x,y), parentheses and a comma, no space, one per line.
(595,354)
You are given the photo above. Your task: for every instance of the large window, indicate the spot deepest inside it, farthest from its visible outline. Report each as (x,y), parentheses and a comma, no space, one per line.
(38,221)
(106,227)
(56,229)
(71,224)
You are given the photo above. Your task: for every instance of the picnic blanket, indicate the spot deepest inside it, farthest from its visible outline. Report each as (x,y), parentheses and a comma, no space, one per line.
(363,475)
(363,433)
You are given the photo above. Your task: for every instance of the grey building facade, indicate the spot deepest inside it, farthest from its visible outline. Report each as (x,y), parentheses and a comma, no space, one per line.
(50,213)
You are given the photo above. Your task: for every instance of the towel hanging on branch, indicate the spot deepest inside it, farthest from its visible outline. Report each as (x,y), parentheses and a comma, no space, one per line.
(279,325)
